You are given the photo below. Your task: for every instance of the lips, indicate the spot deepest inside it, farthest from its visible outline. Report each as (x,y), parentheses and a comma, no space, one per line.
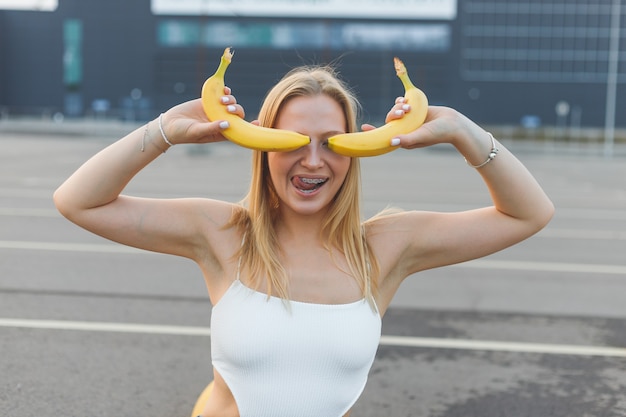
(308,185)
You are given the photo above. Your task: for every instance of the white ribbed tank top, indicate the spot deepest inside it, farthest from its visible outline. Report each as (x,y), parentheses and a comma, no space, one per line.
(311,361)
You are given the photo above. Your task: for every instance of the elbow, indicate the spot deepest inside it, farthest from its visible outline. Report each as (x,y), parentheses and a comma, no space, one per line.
(544,215)
(62,203)
(59,202)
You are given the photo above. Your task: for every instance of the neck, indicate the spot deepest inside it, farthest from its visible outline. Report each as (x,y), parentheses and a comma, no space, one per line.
(297,228)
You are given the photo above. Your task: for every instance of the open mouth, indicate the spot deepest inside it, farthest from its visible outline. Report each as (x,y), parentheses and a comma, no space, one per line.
(308,185)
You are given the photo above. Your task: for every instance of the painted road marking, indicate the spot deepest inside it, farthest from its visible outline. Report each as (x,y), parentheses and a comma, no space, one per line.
(479,263)
(490,345)
(582,234)
(69,247)
(547,233)
(545,266)
(397,341)
(29,212)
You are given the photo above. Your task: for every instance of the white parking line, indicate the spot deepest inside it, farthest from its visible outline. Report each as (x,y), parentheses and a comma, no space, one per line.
(479,263)
(69,247)
(398,341)
(29,212)
(582,234)
(545,266)
(490,345)
(105,327)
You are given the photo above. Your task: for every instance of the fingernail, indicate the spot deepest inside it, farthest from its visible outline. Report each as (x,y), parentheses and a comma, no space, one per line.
(224,125)
(395,142)
(399,112)
(406,107)
(231,108)
(225,100)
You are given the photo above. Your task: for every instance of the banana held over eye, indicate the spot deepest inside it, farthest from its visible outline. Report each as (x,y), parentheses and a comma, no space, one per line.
(377,141)
(241,132)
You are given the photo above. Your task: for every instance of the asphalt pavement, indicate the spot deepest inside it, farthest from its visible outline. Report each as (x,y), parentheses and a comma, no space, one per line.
(91,328)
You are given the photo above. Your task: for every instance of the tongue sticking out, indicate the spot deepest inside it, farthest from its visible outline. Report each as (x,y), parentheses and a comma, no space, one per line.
(307,184)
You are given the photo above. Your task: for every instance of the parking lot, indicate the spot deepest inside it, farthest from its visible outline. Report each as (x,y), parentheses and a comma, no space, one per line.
(91,328)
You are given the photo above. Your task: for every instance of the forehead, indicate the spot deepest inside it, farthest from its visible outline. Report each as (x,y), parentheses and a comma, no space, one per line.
(307,111)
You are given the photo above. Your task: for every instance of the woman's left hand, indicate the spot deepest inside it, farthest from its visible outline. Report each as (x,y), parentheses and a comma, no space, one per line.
(442,125)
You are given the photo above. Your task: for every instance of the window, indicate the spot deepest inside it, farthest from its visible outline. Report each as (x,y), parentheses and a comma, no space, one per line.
(537,40)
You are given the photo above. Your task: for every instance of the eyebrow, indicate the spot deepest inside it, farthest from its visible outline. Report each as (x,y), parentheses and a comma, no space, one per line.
(332,133)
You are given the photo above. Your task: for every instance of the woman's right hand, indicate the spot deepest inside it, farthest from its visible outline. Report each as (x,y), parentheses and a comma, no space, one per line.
(187,122)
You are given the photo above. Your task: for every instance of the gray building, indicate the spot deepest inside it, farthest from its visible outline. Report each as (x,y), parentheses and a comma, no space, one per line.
(500,62)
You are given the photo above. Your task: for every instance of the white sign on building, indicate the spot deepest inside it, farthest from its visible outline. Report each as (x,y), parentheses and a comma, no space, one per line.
(37,5)
(344,9)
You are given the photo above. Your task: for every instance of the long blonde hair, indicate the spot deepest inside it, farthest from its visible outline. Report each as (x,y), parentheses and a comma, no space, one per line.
(342,225)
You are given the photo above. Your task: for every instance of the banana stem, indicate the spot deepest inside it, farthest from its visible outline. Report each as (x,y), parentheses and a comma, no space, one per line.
(402,73)
(224,62)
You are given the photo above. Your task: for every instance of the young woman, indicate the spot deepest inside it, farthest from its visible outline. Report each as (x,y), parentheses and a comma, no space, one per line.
(298,281)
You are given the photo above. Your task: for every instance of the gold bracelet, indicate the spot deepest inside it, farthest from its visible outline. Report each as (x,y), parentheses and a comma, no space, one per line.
(492,154)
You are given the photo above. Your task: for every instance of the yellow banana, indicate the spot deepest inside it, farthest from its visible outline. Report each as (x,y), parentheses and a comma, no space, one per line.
(377,141)
(241,132)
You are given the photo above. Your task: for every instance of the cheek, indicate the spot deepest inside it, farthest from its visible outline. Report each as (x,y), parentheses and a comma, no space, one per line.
(341,165)
(277,165)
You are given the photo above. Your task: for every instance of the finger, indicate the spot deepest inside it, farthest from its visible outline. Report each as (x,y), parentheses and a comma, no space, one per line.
(228,99)
(209,132)
(422,137)
(409,141)
(397,112)
(366,126)
(236,109)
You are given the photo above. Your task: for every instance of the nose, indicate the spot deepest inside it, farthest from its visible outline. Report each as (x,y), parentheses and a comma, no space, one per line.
(312,156)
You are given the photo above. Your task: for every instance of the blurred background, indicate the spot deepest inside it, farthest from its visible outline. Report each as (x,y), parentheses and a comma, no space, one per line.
(89,327)
(536,69)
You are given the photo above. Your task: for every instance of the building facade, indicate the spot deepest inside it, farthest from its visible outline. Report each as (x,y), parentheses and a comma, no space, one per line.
(523,62)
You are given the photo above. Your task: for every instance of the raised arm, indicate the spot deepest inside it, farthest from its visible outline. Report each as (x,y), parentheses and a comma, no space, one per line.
(409,242)
(91,197)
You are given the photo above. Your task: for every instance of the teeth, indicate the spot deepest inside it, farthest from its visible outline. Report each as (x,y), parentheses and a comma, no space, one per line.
(313,180)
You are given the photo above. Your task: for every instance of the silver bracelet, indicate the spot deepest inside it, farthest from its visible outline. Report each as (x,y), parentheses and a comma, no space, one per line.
(492,154)
(145,136)
(162,131)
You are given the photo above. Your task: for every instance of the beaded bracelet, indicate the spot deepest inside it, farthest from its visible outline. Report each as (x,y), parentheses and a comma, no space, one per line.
(492,154)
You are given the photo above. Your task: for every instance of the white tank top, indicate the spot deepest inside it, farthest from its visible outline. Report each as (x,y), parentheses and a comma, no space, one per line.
(311,361)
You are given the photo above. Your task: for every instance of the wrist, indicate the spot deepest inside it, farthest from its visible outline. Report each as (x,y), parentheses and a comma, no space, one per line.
(162,130)
(493,152)
(153,135)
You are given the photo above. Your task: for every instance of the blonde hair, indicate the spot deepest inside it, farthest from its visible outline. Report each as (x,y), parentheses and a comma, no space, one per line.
(342,225)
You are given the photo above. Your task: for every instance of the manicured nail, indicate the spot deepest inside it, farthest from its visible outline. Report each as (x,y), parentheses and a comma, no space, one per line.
(399,112)
(406,107)
(231,108)
(224,125)
(225,100)
(395,142)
